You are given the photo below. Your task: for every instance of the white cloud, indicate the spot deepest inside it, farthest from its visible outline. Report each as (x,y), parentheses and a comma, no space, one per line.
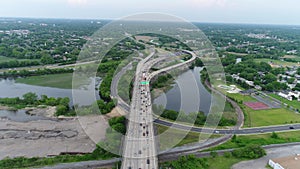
(77,2)
(209,3)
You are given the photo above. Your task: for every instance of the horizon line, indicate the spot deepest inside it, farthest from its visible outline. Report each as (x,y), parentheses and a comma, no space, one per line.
(114,19)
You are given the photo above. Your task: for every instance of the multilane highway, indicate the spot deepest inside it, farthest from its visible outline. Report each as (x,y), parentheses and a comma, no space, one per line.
(139,151)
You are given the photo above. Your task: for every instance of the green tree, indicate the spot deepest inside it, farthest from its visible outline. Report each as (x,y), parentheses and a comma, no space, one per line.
(30,98)
(64,101)
(234,138)
(250,152)
(61,110)
(47,59)
(269,78)
(291,80)
(188,162)
(119,127)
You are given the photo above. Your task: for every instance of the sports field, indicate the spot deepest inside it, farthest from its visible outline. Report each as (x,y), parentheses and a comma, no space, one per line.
(257,105)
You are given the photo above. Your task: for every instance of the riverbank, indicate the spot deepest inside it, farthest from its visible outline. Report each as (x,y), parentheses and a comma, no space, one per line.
(62,81)
(2,107)
(41,110)
(43,134)
(48,111)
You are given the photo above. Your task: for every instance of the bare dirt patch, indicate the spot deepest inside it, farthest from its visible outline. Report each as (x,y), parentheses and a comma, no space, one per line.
(50,137)
(289,56)
(143,38)
(116,112)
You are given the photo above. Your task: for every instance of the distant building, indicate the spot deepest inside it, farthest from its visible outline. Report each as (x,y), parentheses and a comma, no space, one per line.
(297,77)
(289,95)
(291,86)
(258,87)
(250,83)
(293,52)
(291,162)
(291,73)
(285,95)
(248,92)
(238,60)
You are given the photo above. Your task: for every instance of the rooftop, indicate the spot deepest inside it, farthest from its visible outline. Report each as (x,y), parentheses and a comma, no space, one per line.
(290,162)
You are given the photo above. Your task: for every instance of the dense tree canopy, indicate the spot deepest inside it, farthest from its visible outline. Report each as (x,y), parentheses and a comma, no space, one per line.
(187,162)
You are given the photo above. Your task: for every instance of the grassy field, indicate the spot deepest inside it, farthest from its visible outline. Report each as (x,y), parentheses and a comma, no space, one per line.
(260,139)
(277,62)
(238,54)
(217,162)
(5,59)
(221,162)
(238,97)
(258,118)
(293,57)
(293,103)
(63,80)
(272,117)
(290,56)
(167,142)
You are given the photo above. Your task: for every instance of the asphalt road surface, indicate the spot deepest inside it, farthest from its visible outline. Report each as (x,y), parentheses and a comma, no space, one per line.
(139,150)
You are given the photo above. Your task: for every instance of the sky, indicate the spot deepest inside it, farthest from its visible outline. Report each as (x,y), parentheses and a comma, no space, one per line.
(215,11)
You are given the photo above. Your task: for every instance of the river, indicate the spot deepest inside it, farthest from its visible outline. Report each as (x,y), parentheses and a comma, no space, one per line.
(176,100)
(9,88)
(171,100)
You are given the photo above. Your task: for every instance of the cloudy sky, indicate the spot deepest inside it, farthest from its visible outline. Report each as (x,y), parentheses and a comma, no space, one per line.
(220,11)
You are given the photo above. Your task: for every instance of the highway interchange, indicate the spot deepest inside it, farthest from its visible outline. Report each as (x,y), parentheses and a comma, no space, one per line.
(139,148)
(164,122)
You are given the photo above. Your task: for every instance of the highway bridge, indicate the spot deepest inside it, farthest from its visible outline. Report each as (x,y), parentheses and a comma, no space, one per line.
(139,151)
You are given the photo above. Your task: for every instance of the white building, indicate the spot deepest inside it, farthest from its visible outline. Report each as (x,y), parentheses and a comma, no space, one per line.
(274,165)
(289,95)
(285,95)
(238,60)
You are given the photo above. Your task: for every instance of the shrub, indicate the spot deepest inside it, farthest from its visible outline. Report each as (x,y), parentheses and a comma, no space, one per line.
(250,152)
(213,154)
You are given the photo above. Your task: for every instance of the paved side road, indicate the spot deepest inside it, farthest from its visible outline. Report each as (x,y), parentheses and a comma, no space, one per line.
(271,153)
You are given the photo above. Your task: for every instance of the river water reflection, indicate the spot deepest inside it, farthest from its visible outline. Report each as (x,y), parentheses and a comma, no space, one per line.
(172,99)
(9,88)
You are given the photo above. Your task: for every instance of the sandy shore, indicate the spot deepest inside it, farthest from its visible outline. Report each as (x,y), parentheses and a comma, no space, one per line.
(50,137)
